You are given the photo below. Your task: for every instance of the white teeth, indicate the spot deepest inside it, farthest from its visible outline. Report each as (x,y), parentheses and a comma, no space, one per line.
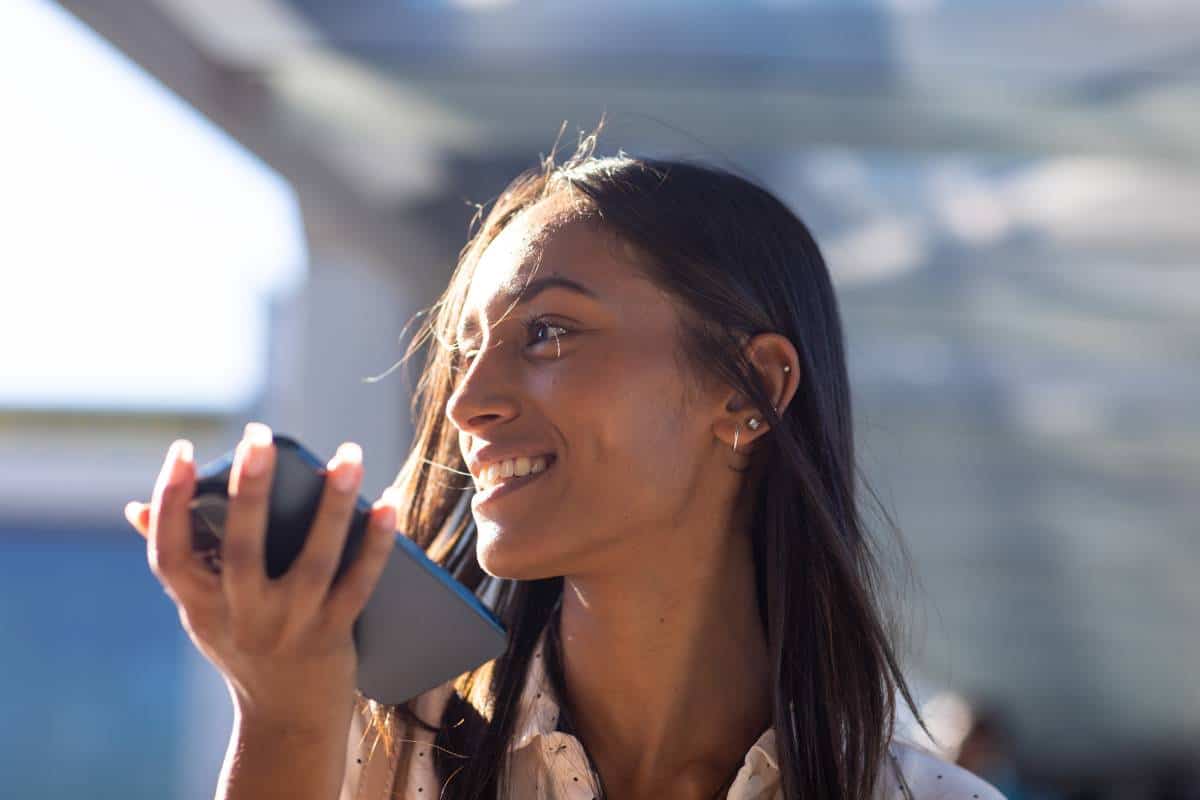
(510,467)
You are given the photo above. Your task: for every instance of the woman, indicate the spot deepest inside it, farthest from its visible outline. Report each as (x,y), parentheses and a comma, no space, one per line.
(646,358)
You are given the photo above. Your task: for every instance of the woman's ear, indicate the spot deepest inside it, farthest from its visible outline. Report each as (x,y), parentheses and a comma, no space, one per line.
(778,367)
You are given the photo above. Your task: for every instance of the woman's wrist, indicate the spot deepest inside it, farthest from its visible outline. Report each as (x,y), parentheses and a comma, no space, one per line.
(304,720)
(295,757)
(320,727)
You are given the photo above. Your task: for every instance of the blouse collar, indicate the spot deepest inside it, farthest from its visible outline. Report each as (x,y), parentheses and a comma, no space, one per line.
(539,711)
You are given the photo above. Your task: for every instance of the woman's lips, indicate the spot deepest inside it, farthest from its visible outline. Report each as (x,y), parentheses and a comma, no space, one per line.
(509,485)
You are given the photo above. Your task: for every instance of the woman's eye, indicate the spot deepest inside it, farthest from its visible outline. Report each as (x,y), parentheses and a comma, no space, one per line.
(541,324)
(534,327)
(463,358)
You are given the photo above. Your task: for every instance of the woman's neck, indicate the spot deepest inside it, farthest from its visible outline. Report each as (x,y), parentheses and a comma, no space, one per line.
(666,666)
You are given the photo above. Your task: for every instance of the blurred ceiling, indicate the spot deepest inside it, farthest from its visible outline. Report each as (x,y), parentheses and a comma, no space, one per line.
(383,87)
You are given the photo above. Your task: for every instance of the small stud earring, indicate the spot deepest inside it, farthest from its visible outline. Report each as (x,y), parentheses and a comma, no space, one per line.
(787,367)
(753,424)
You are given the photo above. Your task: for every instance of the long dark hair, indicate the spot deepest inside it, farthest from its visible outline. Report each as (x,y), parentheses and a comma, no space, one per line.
(740,263)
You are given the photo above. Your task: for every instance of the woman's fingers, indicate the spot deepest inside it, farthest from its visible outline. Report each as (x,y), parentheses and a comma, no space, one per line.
(243,564)
(169,532)
(242,587)
(269,651)
(349,596)
(308,578)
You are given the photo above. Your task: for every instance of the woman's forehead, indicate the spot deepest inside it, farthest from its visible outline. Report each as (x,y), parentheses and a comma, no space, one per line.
(555,226)
(546,240)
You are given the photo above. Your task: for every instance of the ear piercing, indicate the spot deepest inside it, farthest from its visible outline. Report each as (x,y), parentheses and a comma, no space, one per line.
(753,423)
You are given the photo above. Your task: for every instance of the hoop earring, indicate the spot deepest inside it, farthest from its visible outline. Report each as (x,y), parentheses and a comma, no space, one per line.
(753,423)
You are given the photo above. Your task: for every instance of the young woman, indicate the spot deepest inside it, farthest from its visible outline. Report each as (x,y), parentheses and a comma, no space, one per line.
(638,369)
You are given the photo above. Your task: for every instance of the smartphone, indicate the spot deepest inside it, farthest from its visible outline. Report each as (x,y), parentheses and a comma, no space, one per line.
(420,627)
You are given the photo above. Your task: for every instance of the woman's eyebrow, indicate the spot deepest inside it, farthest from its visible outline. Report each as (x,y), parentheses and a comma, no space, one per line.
(542,284)
(530,291)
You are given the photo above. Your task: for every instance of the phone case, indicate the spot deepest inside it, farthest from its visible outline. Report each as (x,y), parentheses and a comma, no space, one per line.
(420,627)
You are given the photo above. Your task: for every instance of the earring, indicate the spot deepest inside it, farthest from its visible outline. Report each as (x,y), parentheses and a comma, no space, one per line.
(753,423)
(787,367)
(736,431)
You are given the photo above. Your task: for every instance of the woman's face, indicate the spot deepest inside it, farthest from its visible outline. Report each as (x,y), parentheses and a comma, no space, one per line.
(607,399)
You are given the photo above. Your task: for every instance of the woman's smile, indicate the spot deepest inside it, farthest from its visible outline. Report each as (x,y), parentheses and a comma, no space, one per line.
(506,486)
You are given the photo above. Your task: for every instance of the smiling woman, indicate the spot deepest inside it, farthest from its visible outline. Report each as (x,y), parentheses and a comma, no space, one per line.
(639,367)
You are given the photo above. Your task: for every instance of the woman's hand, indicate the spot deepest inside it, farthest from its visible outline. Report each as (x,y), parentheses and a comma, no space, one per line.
(284,646)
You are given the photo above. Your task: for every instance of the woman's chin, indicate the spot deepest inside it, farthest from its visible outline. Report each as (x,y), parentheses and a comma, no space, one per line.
(511,556)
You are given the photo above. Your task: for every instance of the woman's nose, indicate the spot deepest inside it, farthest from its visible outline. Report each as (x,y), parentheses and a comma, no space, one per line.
(483,393)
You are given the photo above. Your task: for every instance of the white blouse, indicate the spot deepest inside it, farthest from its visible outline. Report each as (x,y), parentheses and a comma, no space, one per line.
(549,764)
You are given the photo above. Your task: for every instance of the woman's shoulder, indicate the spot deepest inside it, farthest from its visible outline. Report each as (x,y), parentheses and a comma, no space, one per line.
(930,777)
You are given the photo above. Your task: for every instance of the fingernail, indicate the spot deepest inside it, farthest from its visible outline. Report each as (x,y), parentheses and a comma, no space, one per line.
(131,511)
(178,457)
(387,517)
(349,451)
(343,473)
(258,439)
(258,434)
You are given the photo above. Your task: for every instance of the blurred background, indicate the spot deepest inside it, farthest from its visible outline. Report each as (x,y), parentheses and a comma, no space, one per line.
(223,211)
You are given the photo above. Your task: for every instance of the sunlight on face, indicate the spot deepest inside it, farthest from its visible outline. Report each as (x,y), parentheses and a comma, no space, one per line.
(593,380)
